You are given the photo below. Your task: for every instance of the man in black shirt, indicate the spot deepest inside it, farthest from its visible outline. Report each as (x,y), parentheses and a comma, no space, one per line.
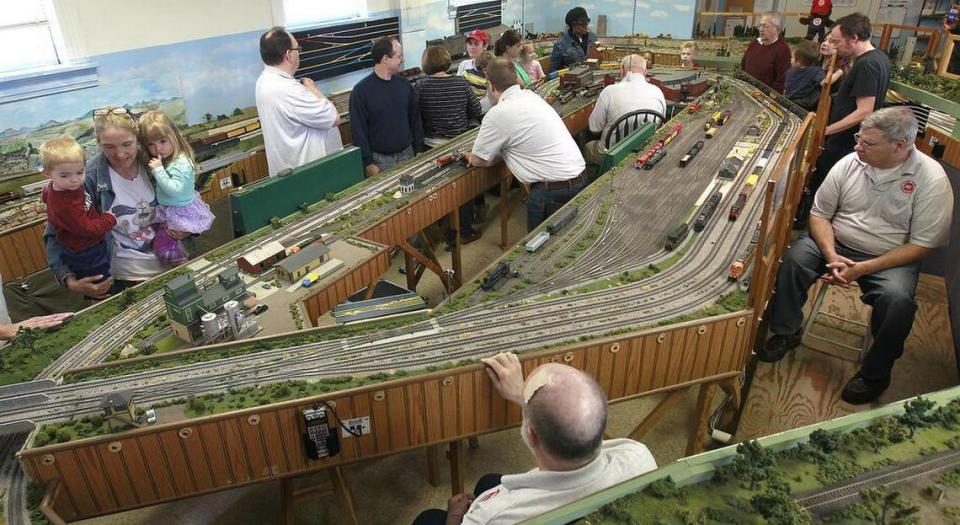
(384,120)
(861,91)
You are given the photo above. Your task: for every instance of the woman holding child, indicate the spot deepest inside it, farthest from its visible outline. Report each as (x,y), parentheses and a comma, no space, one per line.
(116,183)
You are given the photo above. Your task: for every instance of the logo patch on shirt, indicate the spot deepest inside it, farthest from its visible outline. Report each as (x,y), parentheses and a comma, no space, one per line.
(87,202)
(489,495)
(908,186)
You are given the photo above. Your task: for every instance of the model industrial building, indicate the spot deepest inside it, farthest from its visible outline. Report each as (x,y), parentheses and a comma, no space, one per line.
(299,264)
(195,314)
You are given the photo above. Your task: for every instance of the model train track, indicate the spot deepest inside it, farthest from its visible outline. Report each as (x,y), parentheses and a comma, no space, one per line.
(900,474)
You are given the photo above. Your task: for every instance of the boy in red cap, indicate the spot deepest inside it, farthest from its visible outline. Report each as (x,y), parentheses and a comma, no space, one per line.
(477,41)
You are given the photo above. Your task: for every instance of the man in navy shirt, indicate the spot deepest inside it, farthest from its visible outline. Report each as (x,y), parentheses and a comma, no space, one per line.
(384,119)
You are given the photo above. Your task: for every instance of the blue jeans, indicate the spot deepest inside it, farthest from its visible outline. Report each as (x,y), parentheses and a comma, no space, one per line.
(95,260)
(890,292)
(542,203)
(385,161)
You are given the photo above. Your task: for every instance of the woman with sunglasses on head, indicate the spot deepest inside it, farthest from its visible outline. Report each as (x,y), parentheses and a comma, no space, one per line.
(117,182)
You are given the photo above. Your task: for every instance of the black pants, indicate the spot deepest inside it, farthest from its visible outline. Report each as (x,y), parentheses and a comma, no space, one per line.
(439,517)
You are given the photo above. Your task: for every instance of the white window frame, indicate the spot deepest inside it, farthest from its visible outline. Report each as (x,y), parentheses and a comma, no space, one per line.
(355,10)
(46,19)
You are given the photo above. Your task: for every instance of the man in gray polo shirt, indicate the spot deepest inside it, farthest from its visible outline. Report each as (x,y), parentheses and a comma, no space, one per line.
(880,210)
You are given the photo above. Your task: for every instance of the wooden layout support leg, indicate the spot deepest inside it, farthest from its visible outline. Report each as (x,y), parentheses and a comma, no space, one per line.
(343,493)
(456,467)
(505,211)
(46,504)
(338,483)
(658,412)
(427,259)
(411,273)
(730,387)
(433,465)
(287,501)
(695,441)
(455,260)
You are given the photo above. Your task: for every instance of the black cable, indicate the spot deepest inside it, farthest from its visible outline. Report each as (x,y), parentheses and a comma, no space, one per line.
(339,422)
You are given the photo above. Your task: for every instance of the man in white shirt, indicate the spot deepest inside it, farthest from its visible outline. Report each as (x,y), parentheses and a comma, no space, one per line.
(564,416)
(880,210)
(299,123)
(632,93)
(533,142)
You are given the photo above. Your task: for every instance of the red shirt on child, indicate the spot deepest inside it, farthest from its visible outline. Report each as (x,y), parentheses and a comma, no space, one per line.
(76,220)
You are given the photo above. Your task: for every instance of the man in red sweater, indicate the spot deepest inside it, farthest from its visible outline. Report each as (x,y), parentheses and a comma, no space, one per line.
(768,58)
(80,228)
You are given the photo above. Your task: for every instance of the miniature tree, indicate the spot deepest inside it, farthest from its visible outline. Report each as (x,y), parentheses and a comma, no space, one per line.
(27,338)
(752,463)
(276,223)
(777,506)
(888,508)
(948,415)
(207,117)
(915,414)
(663,488)
(128,297)
(237,112)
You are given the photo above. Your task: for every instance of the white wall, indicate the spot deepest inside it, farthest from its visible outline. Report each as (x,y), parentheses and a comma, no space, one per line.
(867,7)
(119,25)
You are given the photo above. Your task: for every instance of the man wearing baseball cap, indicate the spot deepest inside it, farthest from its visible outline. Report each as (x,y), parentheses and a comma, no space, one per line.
(572,47)
(477,42)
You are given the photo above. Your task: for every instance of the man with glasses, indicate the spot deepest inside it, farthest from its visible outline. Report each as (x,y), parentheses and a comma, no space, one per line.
(767,58)
(876,215)
(564,416)
(299,123)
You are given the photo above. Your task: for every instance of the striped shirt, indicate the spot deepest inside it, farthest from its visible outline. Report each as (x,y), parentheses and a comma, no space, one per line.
(447,105)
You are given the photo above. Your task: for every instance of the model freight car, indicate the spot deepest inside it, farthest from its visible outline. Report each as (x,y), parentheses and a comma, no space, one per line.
(724,117)
(714,119)
(8,196)
(535,243)
(691,153)
(676,237)
(711,132)
(707,211)
(563,220)
(654,159)
(494,275)
(742,197)
(448,158)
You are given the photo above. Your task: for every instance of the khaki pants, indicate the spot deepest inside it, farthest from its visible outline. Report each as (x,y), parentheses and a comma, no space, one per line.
(593,152)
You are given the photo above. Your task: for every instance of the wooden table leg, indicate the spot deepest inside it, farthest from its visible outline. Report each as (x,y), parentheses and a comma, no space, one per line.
(433,465)
(456,467)
(287,503)
(343,492)
(695,441)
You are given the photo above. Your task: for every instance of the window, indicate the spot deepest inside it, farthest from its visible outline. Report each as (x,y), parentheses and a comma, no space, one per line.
(26,35)
(305,12)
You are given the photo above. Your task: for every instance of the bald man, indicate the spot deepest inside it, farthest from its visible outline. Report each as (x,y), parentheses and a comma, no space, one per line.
(564,416)
(632,93)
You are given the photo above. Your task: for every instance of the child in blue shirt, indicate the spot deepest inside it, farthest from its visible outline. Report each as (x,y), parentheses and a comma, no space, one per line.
(178,203)
(802,82)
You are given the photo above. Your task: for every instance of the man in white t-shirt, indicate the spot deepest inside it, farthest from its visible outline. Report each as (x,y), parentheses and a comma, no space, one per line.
(632,93)
(564,416)
(299,123)
(879,211)
(533,142)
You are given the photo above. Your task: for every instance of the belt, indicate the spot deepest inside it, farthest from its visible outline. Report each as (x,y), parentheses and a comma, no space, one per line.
(568,184)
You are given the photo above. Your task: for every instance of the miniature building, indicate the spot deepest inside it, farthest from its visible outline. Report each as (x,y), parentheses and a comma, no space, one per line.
(679,86)
(260,259)
(119,405)
(407,184)
(186,304)
(299,264)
